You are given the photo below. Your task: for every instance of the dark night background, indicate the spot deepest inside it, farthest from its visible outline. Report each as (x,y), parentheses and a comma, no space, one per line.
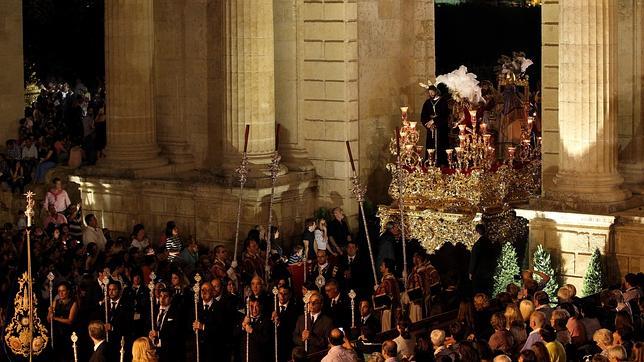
(64,38)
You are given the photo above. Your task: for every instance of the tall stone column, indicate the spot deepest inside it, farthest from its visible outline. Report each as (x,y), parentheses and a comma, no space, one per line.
(587,172)
(129,75)
(12,87)
(250,82)
(631,97)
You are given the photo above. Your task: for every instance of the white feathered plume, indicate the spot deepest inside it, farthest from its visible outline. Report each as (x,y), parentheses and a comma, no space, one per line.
(462,84)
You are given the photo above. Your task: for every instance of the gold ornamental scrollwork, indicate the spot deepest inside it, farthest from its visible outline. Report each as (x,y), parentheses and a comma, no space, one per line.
(434,228)
(17,333)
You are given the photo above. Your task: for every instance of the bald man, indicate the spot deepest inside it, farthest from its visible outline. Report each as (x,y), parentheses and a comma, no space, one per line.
(341,349)
(317,329)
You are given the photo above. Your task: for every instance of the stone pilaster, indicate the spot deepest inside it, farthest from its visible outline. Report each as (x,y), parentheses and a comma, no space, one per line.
(12,101)
(129,74)
(249,62)
(630,96)
(587,172)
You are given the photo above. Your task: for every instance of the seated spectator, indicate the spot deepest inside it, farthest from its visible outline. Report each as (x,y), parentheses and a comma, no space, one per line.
(47,162)
(54,219)
(389,350)
(624,337)
(17,179)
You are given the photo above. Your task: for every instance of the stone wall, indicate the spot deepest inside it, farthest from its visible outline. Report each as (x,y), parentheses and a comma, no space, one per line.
(202,209)
(395,53)
(571,238)
(12,100)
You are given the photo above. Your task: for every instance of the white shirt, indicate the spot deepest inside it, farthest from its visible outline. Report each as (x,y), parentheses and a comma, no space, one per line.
(94,235)
(98,344)
(314,317)
(320,240)
(29,152)
(141,245)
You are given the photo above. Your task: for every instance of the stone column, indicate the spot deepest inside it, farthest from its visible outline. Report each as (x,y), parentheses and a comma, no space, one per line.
(129,74)
(249,93)
(12,87)
(631,98)
(587,172)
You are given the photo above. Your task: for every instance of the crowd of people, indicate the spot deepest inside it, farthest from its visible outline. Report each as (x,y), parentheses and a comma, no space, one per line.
(315,302)
(60,118)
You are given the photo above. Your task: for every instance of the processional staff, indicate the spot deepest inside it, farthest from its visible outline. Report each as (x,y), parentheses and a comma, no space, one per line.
(50,277)
(30,213)
(122,351)
(359,193)
(400,199)
(306,298)
(275,291)
(352,295)
(196,289)
(151,288)
(274,169)
(247,334)
(74,339)
(106,281)
(242,171)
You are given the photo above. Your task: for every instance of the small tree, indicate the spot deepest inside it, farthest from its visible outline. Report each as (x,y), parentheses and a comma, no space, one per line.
(594,278)
(542,263)
(506,269)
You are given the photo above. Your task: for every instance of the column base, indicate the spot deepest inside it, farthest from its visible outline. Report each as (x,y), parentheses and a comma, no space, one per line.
(133,158)
(257,166)
(598,193)
(296,158)
(633,176)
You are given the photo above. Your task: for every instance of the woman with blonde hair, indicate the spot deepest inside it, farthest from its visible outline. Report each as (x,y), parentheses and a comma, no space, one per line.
(526,307)
(142,351)
(516,325)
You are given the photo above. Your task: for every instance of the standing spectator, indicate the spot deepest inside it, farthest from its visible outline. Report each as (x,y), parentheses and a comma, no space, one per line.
(173,243)
(339,232)
(340,350)
(93,234)
(13,150)
(555,349)
(100,129)
(57,196)
(632,291)
(537,321)
(139,240)
(502,339)
(482,262)
(89,136)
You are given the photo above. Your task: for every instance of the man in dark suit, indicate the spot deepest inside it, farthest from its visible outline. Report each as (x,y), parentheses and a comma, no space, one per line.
(119,323)
(368,325)
(213,323)
(337,305)
(96,331)
(166,334)
(256,334)
(138,297)
(286,317)
(354,270)
(482,262)
(318,326)
(323,267)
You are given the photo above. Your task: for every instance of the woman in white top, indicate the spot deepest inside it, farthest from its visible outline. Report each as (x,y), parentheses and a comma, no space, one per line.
(139,240)
(322,241)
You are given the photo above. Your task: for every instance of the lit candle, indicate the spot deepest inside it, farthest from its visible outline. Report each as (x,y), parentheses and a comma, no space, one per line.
(486,138)
(413,124)
(483,127)
(461,127)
